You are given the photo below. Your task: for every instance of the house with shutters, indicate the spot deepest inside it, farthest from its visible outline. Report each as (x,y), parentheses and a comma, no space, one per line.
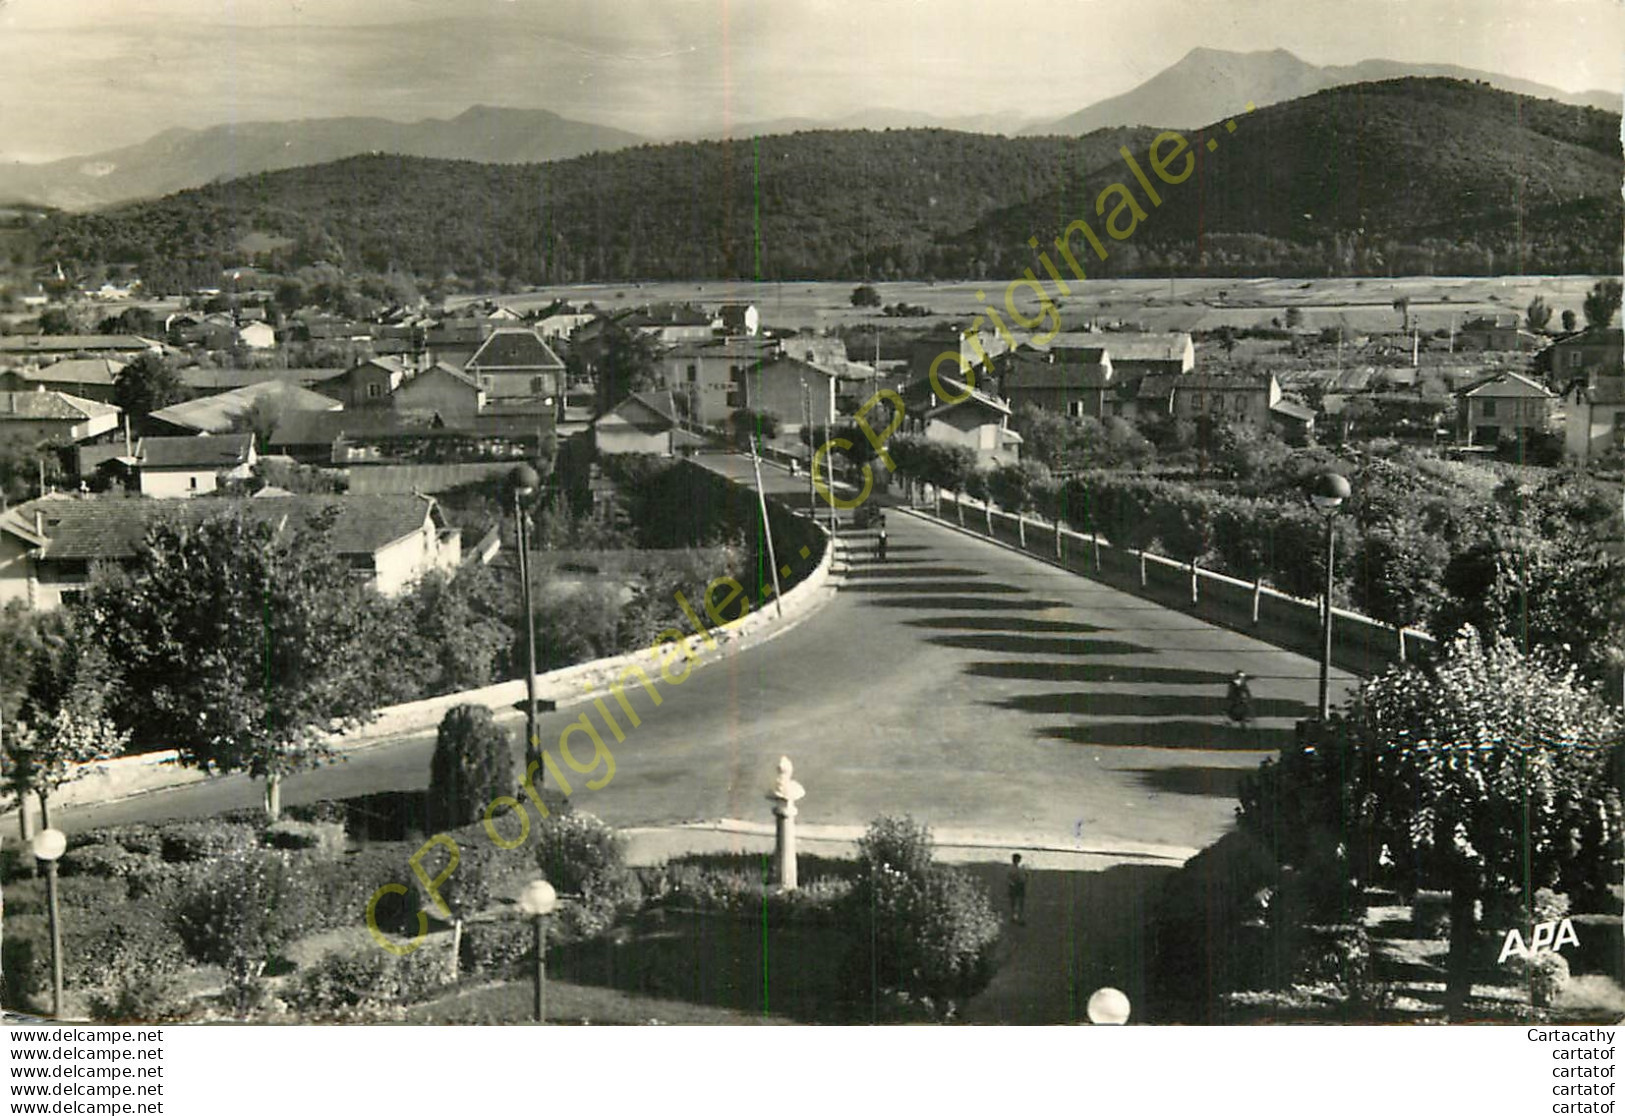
(1503,407)
(33,418)
(192,466)
(49,546)
(515,363)
(643,422)
(84,377)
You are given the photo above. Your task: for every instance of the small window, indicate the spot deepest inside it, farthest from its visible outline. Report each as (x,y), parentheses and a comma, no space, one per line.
(193,481)
(1489,408)
(373,391)
(1074,407)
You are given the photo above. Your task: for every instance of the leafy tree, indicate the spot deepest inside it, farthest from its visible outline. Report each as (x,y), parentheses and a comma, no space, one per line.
(1539,315)
(473,764)
(1602,303)
(628,365)
(1017,487)
(1568,321)
(865,296)
(63,720)
(238,638)
(1486,773)
(260,418)
(748,427)
(148,383)
(1046,437)
(1403,305)
(1294,317)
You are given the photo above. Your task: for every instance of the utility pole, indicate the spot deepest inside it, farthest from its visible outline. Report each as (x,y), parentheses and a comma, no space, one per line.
(767,528)
(807,425)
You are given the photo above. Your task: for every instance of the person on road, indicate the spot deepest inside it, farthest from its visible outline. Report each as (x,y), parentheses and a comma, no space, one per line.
(1239,700)
(1018,890)
(880,543)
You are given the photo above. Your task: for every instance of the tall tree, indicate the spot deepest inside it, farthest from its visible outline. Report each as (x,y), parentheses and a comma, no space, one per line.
(238,637)
(1486,774)
(1539,315)
(1403,305)
(1602,303)
(146,384)
(627,365)
(63,721)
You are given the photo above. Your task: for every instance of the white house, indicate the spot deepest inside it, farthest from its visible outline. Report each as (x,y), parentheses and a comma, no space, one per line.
(191,466)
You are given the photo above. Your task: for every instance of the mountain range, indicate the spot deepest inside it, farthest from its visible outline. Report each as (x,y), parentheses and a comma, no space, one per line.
(181,158)
(1410,176)
(1190,92)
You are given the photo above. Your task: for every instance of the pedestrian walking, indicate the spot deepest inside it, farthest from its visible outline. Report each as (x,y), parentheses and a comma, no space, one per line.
(1238,699)
(880,543)
(1018,890)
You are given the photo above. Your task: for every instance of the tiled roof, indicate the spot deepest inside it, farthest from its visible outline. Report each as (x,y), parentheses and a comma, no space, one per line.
(1025,373)
(74,343)
(650,411)
(1070,342)
(200,451)
(1292,410)
(514,348)
(229,379)
(54,405)
(216,414)
(1214,381)
(88,370)
(111,528)
(1145,346)
(320,428)
(1507,385)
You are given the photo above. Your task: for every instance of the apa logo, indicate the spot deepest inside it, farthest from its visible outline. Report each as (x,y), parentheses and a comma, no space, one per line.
(1553,935)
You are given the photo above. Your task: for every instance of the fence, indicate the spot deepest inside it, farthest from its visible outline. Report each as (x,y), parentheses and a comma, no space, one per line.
(1359,644)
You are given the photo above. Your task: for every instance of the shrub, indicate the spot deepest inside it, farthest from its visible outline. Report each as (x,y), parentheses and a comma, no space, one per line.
(930,935)
(190,842)
(235,913)
(365,985)
(899,843)
(578,853)
(143,996)
(473,764)
(324,840)
(738,891)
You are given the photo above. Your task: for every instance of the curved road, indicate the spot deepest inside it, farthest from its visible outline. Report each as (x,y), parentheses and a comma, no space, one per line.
(981,690)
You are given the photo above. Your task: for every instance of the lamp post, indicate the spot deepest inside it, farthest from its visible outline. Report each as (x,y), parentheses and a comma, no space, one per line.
(48,845)
(525,482)
(1328,492)
(537,901)
(1108,1007)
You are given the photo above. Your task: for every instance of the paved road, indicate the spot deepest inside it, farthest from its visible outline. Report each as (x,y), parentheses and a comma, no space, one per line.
(981,690)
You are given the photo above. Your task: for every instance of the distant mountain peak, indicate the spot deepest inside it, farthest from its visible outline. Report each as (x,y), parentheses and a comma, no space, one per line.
(1183,95)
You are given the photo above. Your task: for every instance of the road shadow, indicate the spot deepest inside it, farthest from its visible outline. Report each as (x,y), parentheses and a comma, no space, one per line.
(969,603)
(1001,624)
(1051,670)
(1205,782)
(883,571)
(901,586)
(1038,645)
(1206,736)
(1092,703)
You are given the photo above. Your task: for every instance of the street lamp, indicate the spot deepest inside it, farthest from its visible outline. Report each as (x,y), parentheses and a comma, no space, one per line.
(538,900)
(525,482)
(1327,492)
(49,845)
(1108,1007)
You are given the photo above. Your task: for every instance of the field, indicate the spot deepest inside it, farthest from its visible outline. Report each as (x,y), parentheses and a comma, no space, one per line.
(1360,305)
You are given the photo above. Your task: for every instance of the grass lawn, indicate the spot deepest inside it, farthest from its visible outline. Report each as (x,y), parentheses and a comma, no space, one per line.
(574,1003)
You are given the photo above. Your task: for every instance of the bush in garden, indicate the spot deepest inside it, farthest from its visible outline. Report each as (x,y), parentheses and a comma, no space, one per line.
(143,996)
(190,842)
(900,843)
(922,929)
(366,985)
(323,840)
(578,853)
(473,764)
(236,913)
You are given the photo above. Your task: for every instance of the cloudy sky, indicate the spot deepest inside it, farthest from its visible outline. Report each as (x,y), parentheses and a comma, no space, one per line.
(78,76)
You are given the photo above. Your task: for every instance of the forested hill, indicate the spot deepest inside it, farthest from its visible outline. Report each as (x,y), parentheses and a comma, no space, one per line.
(1411,176)
(1406,176)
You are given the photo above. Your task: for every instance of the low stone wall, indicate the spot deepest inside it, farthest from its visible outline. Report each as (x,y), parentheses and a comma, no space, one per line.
(109,780)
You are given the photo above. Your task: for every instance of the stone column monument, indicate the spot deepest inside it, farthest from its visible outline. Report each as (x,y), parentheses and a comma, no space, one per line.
(784,795)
